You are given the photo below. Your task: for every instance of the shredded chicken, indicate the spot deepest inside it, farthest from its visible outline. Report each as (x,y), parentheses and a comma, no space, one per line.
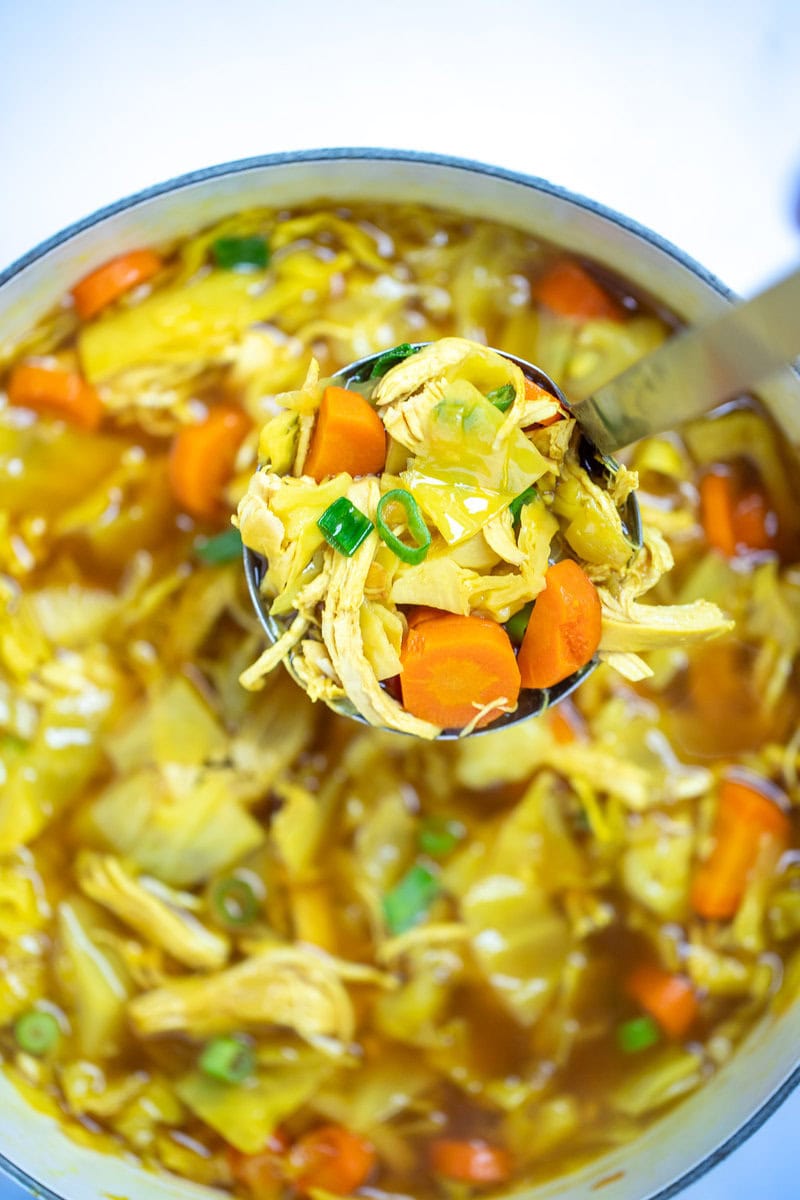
(287,987)
(341,629)
(157,915)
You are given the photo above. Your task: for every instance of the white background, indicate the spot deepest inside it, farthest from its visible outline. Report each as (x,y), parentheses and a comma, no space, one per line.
(683,114)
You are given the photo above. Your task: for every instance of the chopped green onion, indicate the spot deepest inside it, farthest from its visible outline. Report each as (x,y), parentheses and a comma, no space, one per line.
(36,1032)
(637,1034)
(232,252)
(416,527)
(234,902)
(409,900)
(390,358)
(223,548)
(344,526)
(439,836)
(227,1059)
(518,503)
(515,626)
(503,397)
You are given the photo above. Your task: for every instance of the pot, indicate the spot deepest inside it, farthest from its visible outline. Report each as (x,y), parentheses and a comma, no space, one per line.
(679,1148)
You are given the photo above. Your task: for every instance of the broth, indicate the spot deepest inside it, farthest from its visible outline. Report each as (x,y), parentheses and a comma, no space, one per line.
(443,940)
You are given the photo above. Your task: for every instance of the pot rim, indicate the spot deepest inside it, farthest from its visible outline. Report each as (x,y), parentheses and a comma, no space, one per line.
(474,166)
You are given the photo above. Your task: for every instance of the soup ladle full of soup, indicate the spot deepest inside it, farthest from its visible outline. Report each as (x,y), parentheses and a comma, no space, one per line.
(449,545)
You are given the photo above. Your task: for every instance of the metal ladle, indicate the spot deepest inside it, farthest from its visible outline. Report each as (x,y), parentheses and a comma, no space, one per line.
(690,374)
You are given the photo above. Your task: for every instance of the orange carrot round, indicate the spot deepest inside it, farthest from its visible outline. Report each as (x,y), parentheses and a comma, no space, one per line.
(745,815)
(735,520)
(202,460)
(755,522)
(564,628)
(669,999)
(105,284)
(453,666)
(470,1160)
(534,392)
(333,1158)
(570,291)
(348,436)
(717,512)
(59,393)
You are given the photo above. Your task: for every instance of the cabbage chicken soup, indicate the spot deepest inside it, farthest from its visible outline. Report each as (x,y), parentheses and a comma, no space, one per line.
(258,946)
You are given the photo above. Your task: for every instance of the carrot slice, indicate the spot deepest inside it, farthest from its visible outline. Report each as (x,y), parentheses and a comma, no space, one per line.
(565,723)
(100,287)
(332,1158)
(570,291)
(669,999)
(564,629)
(534,392)
(453,666)
(735,520)
(470,1160)
(717,512)
(202,460)
(745,815)
(348,436)
(755,522)
(60,393)
(262,1174)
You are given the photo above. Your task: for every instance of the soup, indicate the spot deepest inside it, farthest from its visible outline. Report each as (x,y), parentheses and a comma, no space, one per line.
(255,945)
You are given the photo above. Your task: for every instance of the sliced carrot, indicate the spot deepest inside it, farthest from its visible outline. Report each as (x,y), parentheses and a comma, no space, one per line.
(202,460)
(755,523)
(348,436)
(470,1160)
(735,520)
(745,816)
(100,287)
(669,999)
(59,393)
(717,512)
(453,666)
(534,392)
(570,291)
(564,723)
(263,1173)
(332,1158)
(564,629)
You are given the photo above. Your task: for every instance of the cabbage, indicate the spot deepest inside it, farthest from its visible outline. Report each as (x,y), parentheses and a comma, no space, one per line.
(603,349)
(176,725)
(246,1114)
(178,823)
(382,630)
(666,1074)
(366,1099)
(94,981)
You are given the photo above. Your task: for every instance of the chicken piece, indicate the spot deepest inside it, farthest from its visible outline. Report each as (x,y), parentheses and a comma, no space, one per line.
(341,628)
(155,912)
(281,986)
(631,627)
(499,533)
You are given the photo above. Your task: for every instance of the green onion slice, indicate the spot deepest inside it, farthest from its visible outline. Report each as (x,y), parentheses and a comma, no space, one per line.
(234,902)
(439,836)
(409,900)
(227,1059)
(232,252)
(416,527)
(516,626)
(223,548)
(518,503)
(637,1034)
(36,1032)
(503,397)
(344,526)
(390,358)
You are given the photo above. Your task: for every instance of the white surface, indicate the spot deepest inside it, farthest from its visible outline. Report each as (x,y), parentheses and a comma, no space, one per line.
(684,116)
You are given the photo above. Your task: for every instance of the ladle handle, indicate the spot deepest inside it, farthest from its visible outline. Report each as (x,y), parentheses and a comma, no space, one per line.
(697,370)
